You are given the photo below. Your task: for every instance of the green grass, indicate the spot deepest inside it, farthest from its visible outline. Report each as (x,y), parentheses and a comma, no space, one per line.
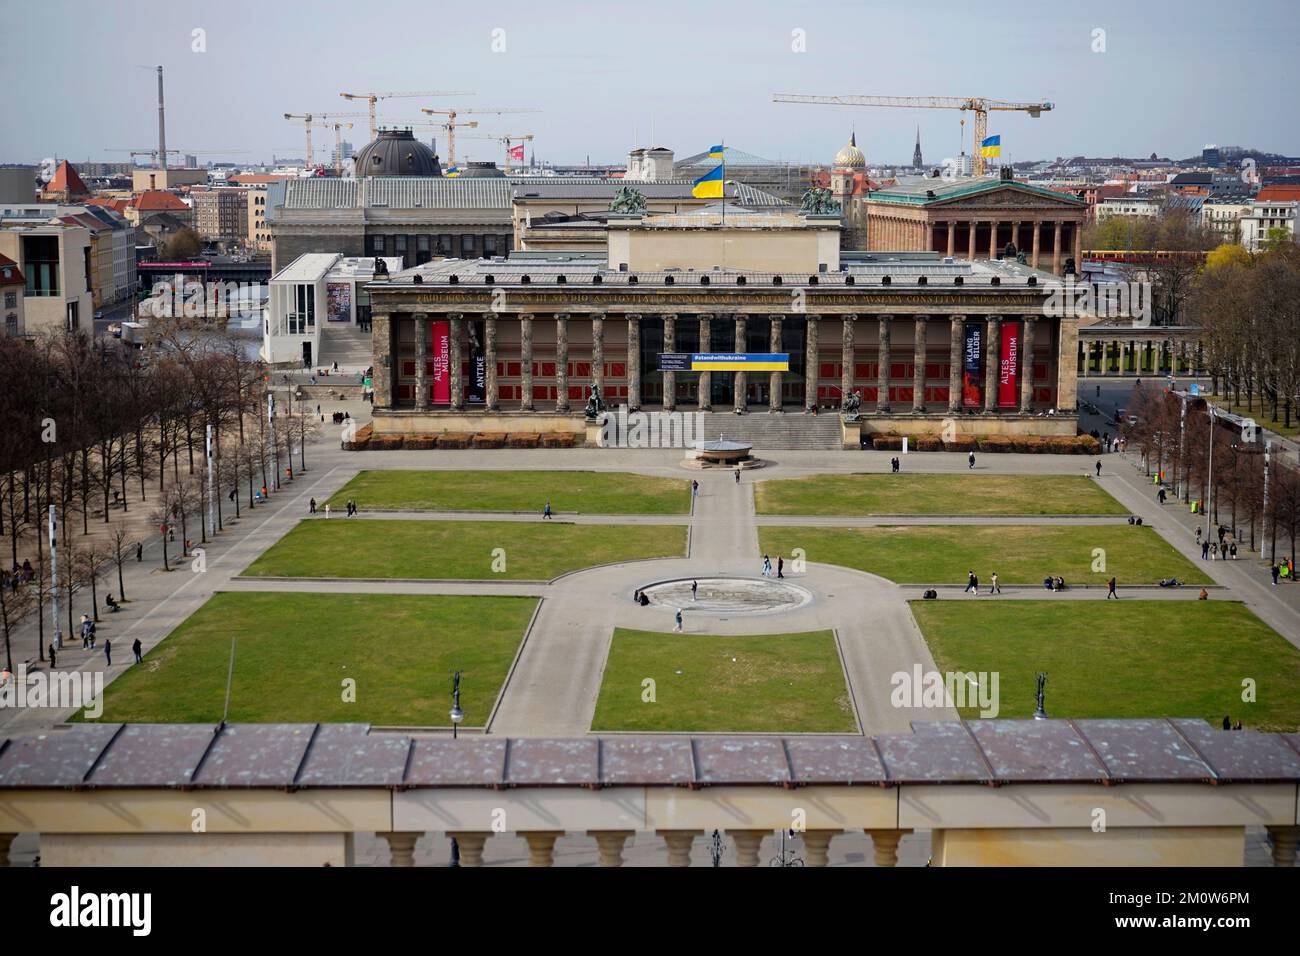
(1125,659)
(1020,554)
(453,550)
(584,492)
(966,494)
(295,650)
(790,683)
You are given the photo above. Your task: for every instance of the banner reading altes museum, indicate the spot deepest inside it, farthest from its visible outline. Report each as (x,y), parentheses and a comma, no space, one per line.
(1008,364)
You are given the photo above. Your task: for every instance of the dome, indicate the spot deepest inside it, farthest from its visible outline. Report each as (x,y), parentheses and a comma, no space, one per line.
(850,157)
(396,152)
(487,170)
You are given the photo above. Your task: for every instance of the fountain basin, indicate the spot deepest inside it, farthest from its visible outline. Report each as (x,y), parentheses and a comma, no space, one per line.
(729,595)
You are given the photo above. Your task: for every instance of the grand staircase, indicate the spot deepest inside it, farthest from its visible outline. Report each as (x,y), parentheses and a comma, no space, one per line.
(342,342)
(790,430)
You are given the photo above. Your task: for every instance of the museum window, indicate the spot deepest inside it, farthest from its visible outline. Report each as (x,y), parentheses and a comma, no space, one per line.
(467,246)
(489,246)
(444,245)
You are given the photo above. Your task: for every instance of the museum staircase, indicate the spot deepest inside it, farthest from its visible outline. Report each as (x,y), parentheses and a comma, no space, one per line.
(344,343)
(792,429)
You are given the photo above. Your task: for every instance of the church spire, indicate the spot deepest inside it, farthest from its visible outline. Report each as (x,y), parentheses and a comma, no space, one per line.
(916,153)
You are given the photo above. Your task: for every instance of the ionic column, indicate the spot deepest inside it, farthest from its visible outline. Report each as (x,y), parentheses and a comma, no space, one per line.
(775,379)
(811,366)
(918,368)
(952,237)
(955,361)
(1056,248)
(492,398)
(971,237)
(470,843)
(634,362)
(526,360)
(670,378)
(401,848)
(609,844)
(679,845)
(457,333)
(598,352)
(747,845)
(541,846)
(1027,365)
(562,362)
(882,371)
(705,386)
(421,321)
(740,396)
(1037,237)
(992,362)
(817,846)
(1284,843)
(885,844)
(381,338)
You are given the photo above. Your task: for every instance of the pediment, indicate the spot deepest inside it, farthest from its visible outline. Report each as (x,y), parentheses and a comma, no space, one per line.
(1009,197)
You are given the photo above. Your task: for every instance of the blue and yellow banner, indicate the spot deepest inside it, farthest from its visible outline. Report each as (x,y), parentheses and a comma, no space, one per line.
(991,146)
(709,186)
(716,152)
(724,362)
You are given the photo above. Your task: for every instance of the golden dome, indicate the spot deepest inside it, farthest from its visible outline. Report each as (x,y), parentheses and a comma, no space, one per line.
(850,157)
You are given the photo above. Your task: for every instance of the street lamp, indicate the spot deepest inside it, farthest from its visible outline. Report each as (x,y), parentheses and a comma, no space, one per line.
(457,715)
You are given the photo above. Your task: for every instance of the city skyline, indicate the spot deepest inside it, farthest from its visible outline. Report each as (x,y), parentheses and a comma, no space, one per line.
(677,76)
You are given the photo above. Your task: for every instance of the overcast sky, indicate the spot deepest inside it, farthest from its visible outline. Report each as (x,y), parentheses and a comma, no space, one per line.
(607,75)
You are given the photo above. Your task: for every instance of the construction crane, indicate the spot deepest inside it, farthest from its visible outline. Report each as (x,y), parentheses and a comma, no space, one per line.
(338,145)
(976,104)
(373,98)
(153,153)
(507,138)
(306,120)
(452,125)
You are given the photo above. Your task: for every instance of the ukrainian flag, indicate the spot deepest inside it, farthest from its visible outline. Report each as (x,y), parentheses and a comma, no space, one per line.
(709,186)
(451,171)
(715,152)
(992,146)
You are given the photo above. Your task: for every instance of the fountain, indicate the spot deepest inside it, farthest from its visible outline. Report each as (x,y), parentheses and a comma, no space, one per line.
(729,595)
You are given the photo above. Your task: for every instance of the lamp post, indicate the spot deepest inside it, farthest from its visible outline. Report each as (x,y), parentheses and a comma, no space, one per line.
(457,715)
(1209,480)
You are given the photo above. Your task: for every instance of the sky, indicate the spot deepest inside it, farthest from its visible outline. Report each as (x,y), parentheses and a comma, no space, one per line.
(1161,76)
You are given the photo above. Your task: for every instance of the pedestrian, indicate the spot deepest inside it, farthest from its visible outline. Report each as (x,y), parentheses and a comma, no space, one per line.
(1273,571)
(139,551)
(1232,548)
(1198,534)
(737,474)
(767,566)
(311,507)
(1227,722)
(85,632)
(678,626)
(1205,550)
(1160,496)
(327,510)
(91,626)
(972,583)
(53,664)
(546,512)
(108,652)
(695,488)
(994,587)
(695,586)
(1110,590)
(1214,551)
(1098,467)
(137,649)
(780,566)
(970,461)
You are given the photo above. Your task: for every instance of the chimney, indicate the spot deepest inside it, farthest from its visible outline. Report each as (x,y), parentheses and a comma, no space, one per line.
(162,125)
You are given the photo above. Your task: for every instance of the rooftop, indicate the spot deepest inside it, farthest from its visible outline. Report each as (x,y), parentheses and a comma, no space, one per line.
(926,190)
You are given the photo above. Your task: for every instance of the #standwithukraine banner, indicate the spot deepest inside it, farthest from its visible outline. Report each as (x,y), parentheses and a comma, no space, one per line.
(1009,365)
(724,362)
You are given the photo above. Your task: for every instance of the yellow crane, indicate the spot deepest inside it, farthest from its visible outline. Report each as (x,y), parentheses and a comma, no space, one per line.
(978,105)
(306,120)
(374,98)
(451,124)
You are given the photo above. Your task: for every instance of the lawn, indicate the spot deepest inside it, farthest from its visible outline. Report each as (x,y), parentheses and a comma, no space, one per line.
(584,492)
(786,683)
(454,550)
(295,651)
(1020,554)
(965,494)
(1125,659)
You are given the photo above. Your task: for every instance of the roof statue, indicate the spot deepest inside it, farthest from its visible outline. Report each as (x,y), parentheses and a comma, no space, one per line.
(818,202)
(627,200)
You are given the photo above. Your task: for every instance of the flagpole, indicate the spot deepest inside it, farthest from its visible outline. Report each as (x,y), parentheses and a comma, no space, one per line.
(724,187)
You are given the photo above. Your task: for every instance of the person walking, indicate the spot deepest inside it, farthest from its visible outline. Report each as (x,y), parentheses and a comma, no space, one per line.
(108,652)
(546,512)
(85,632)
(678,627)
(139,551)
(311,507)
(972,583)
(780,566)
(1160,496)
(53,663)
(1232,550)
(695,587)
(1110,590)
(1214,551)
(1098,467)
(970,461)
(138,650)
(1198,534)
(767,566)
(695,488)
(737,474)
(994,587)
(1205,550)
(1273,571)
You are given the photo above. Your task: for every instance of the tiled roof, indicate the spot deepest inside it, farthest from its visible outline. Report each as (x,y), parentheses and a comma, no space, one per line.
(994,752)
(1278,194)
(10,274)
(66,179)
(157,200)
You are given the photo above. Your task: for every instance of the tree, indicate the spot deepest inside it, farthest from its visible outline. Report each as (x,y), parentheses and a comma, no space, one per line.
(1227,254)
(182,244)
(119,549)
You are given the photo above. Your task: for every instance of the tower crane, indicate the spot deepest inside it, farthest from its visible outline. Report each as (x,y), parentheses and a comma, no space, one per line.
(306,120)
(978,105)
(452,125)
(338,145)
(153,153)
(507,138)
(373,98)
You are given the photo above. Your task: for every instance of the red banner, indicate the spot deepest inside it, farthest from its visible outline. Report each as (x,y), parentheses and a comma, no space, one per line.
(1009,366)
(439,360)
